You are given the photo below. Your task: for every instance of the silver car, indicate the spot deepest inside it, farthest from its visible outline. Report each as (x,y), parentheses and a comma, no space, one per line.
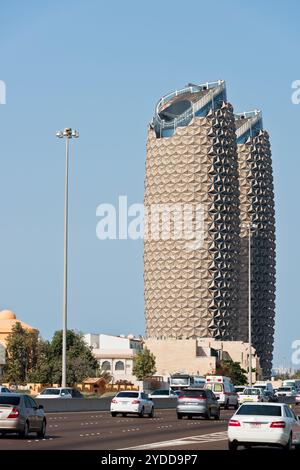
(197,402)
(20,414)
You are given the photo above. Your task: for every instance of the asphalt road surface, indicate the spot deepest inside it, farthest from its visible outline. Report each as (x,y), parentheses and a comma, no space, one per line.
(98,430)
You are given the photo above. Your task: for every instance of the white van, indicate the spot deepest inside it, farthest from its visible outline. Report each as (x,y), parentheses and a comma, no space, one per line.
(292,383)
(223,389)
(264,386)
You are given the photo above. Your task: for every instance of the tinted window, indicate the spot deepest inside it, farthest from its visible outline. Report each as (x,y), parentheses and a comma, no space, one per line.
(32,402)
(161,392)
(8,400)
(50,391)
(27,402)
(259,410)
(251,391)
(288,412)
(128,395)
(193,393)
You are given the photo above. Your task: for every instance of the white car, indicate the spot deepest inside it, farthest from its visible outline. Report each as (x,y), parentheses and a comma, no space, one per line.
(286,392)
(59,392)
(128,402)
(160,393)
(252,395)
(271,424)
(239,389)
(4,389)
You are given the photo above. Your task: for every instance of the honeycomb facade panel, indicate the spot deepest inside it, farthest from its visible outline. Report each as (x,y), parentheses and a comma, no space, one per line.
(194,293)
(257,208)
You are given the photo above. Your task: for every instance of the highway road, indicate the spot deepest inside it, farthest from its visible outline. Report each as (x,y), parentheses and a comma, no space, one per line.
(98,430)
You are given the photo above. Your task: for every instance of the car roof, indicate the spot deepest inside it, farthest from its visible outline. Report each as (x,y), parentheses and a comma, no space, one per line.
(58,388)
(194,388)
(264,404)
(14,394)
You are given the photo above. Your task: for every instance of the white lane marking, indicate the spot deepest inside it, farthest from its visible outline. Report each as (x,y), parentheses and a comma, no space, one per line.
(200,439)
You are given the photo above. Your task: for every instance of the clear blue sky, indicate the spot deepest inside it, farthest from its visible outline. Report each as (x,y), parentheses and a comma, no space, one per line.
(100,67)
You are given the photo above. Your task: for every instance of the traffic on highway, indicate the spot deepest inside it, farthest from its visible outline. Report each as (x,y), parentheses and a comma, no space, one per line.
(214,416)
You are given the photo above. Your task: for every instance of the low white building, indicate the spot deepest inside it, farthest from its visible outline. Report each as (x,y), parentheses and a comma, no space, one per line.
(115,353)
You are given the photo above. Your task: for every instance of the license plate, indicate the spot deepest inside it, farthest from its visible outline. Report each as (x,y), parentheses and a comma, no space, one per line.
(255,425)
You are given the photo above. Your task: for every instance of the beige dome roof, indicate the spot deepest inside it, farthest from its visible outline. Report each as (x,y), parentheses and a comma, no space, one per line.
(7,315)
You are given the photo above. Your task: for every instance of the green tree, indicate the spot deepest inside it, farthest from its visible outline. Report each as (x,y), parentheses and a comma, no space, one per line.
(233,370)
(42,372)
(21,354)
(296,374)
(80,360)
(144,365)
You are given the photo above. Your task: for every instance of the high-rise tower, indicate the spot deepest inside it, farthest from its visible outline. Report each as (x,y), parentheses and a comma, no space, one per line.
(257,208)
(192,161)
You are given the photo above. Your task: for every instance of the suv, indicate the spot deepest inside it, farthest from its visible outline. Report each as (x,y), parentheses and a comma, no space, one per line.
(197,402)
(132,402)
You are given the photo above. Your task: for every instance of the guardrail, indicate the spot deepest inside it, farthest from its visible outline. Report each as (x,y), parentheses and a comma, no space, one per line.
(214,90)
(61,405)
(252,118)
(65,405)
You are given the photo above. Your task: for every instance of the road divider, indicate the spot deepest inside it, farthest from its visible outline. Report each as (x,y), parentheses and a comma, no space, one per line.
(64,405)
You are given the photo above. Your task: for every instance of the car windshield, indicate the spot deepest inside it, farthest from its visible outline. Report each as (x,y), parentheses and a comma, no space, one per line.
(128,394)
(50,391)
(285,389)
(161,392)
(259,410)
(8,400)
(192,393)
(251,391)
(180,380)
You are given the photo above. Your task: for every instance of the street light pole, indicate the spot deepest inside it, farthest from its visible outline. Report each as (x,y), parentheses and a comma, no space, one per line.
(249,307)
(68,134)
(249,228)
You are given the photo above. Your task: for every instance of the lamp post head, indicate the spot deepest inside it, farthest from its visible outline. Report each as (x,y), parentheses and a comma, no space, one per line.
(68,133)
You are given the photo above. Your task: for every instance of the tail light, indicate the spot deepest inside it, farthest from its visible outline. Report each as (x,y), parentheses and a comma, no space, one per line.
(234,422)
(135,402)
(14,413)
(114,400)
(277,425)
